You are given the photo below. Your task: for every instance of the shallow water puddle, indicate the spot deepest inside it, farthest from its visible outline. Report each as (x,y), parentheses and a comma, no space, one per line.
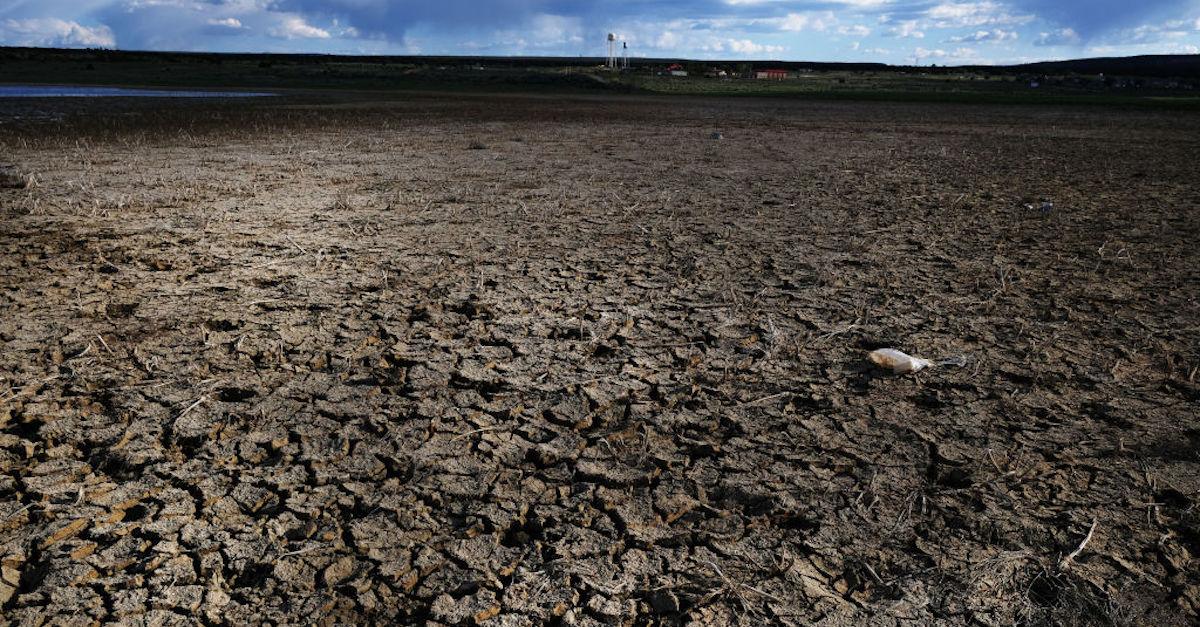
(74,91)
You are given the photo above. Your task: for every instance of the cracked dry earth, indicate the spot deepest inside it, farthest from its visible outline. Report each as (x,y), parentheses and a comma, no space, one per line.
(526,360)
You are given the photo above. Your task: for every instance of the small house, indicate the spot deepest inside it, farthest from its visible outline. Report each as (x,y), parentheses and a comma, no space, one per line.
(676,69)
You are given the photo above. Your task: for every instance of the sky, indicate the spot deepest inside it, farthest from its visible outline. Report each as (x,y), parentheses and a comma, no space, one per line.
(945,32)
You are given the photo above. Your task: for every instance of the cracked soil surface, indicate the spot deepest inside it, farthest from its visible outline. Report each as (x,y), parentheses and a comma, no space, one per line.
(530,360)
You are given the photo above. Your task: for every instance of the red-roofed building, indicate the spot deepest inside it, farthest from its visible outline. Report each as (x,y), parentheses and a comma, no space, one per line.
(771,75)
(676,69)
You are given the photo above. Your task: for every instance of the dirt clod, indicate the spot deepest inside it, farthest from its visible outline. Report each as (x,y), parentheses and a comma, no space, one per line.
(12,178)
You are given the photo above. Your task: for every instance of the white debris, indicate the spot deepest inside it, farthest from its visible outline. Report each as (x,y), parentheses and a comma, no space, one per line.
(898,362)
(903,363)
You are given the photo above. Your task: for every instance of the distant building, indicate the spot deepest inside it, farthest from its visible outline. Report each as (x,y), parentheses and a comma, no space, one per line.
(771,75)
(676,70)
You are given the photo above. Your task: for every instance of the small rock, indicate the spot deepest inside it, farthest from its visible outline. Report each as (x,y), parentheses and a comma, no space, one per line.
(68,531)
(130,602)
(486,614)
(476,608)
(10,577)
(215,599)
(610,610)
(338,571)
(186,598)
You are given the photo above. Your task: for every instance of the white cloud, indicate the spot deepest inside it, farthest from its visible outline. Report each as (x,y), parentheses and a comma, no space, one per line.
(857,47)
(1060,37)
(1153,33)
(293,27)
(907,29)
(133,5)
(973,14)
(980,36)
(555,30)
(746,47)
(795,22)
(700,39)
(56,33)
(666,40)
(1183,25)
(221,6)
(1151,48)
(862,4)
(714,47)
(791,22)
(958,54)
(229,22)
(857,30)
(543,32)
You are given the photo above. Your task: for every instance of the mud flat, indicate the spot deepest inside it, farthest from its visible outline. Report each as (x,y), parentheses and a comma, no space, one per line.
(517,361)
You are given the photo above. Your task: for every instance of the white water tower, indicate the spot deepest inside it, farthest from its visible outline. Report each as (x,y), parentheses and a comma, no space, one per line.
(612,55)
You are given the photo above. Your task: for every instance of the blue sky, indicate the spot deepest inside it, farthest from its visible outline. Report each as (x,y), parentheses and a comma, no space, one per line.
(893,31)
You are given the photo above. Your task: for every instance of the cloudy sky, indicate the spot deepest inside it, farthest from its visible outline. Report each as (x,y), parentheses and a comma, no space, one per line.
(894,31)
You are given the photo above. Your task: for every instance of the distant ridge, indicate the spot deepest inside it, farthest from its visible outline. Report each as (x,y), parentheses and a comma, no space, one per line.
(1156,65)
(1159,66)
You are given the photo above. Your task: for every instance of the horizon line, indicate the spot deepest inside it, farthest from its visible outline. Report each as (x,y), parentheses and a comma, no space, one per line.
(598,59)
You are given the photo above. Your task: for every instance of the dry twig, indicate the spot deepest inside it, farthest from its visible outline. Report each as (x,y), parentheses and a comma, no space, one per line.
(1067,560)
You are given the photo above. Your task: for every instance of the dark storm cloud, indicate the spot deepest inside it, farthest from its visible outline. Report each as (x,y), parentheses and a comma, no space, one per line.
(391,18)
(153,27)
(163,26)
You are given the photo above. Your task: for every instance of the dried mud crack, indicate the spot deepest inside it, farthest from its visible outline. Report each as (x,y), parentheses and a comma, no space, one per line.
(521,361)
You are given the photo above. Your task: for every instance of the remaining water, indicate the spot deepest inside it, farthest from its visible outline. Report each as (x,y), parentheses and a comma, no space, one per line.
(70,91)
